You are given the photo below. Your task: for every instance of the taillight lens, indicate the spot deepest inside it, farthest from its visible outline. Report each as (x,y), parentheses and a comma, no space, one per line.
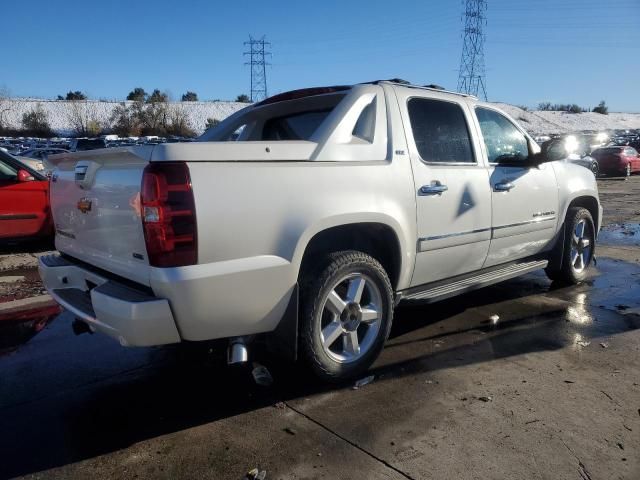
(169,215)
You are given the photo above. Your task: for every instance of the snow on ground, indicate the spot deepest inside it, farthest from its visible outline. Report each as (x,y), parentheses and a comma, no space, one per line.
(539,122)
(60,112)
(535,122)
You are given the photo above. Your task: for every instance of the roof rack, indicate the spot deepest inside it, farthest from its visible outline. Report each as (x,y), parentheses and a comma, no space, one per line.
(431,87)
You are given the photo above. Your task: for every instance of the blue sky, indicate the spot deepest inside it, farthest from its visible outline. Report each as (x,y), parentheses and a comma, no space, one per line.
(577,51)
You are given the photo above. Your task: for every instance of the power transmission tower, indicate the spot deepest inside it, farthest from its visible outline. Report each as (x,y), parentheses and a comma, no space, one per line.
(471,79)
(257,53)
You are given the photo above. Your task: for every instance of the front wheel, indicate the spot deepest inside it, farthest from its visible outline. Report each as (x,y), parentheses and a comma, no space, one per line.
(346,314)
(579,245)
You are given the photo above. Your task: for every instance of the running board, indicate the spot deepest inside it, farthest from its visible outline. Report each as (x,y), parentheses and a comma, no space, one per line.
(431,293)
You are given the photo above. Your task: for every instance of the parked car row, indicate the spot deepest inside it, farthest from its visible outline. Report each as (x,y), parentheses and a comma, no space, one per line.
(601,154)
(28,146)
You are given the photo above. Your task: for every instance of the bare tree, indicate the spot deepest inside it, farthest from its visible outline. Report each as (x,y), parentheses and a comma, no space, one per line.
(6,105)
(125,120)
(36,122)
(83,118)
(178,122)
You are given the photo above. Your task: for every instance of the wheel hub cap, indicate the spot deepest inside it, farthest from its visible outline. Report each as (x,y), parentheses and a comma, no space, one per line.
(351,318)
(581,246)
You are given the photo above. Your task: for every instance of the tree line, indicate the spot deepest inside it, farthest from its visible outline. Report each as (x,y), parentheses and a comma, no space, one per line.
(572,108)
(143,114)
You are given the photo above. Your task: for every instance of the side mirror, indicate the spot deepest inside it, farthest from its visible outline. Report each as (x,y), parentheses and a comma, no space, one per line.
(535,155)
(553,150)
(24,176)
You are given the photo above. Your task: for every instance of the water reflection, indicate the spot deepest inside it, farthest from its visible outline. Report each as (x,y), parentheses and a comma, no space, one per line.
(18,328)
(620,233)
(578,312)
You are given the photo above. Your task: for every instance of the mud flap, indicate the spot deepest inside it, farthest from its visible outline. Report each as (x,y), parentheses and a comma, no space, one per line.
(557,254)
(283,341)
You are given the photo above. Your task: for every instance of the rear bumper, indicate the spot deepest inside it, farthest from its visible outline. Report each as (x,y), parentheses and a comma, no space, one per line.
(132,317)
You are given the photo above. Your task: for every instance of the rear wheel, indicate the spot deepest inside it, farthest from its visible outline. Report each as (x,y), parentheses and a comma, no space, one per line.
(579,245)
(346,314)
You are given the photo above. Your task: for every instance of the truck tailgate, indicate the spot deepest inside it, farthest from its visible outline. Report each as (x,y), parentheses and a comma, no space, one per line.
(95,201)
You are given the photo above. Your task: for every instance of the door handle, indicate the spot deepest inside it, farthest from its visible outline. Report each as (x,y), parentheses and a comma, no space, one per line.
(436,188)
(503,186)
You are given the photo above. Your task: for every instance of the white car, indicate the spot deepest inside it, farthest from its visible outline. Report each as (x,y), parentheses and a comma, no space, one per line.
(303,220)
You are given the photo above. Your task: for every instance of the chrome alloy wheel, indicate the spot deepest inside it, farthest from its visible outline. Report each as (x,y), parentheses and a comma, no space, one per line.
(581,247)
(351,317)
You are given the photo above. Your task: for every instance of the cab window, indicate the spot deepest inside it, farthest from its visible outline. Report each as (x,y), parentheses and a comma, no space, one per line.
(440,131)
(503,141)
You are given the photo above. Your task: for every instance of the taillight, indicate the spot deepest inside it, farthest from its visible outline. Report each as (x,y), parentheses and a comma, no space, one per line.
(169,215)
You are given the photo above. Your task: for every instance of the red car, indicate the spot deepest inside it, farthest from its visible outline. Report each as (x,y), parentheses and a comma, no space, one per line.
(24,201)
(617,160)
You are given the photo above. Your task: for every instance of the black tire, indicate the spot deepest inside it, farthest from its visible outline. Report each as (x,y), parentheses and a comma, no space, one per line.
(595,168)
(316,285)
(573,272)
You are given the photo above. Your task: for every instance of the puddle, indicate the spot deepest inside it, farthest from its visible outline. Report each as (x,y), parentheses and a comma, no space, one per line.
(22,326)
(620,234)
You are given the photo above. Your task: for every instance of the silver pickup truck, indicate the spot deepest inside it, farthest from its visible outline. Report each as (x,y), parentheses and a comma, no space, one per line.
(303,220)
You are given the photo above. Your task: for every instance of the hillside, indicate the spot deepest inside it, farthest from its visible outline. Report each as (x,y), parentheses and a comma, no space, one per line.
(541,122)
(60,114)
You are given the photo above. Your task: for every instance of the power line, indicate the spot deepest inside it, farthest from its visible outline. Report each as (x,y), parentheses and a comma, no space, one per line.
(471,78)
(257,53)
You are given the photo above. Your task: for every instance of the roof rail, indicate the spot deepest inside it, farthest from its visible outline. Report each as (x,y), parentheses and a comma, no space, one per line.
(431,87)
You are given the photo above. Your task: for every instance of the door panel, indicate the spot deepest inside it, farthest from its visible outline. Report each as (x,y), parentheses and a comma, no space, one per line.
(454,227)
(524,198)
(525,217)
(23,205)
(453,197)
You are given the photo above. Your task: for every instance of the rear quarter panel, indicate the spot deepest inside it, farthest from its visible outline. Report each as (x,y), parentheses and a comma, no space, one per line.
(254,223)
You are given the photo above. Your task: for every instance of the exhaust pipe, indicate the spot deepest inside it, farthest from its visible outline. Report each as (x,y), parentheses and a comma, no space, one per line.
(79,327)
(237,351)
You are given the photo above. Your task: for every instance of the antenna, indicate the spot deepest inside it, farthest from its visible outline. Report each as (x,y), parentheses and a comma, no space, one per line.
(257,52)
(471,78)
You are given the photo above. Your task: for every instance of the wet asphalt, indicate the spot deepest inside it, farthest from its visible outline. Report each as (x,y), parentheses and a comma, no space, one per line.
(549,389)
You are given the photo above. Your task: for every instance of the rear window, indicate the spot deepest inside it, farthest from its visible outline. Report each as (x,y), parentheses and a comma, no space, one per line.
(289,119)
(299,126)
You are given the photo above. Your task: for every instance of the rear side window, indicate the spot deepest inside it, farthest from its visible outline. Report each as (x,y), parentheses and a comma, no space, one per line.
(631,152)
(440,131)
(299,126)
